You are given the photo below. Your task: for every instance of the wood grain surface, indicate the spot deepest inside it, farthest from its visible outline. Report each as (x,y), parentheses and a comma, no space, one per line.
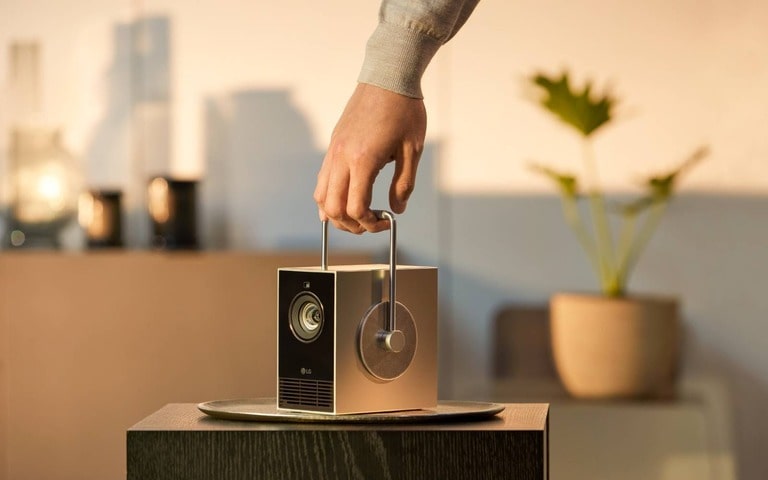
(180,442)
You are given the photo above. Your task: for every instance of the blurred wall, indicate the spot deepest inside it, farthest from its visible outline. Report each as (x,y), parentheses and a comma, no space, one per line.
(254,90)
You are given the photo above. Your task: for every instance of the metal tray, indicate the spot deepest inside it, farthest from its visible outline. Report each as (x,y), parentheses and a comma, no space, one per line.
(265,410)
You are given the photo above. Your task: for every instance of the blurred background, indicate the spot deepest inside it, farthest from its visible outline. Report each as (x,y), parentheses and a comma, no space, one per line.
(241,98)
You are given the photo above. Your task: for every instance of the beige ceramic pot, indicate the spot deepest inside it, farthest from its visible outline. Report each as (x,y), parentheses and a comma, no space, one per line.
(616,347)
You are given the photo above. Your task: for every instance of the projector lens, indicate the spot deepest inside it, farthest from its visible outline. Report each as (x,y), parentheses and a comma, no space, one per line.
(306,314)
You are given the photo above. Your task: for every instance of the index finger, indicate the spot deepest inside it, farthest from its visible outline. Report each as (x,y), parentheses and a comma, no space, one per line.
(360,196)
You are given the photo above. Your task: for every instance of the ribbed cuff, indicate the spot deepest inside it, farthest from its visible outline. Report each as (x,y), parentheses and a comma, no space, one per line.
(396,58)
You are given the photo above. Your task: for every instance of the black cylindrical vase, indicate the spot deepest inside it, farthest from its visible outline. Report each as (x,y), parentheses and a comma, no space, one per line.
(173,212)
(100,215)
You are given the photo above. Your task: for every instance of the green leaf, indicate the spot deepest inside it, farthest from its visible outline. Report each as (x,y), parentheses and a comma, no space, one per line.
(662,186)
(577,109)
(567,183)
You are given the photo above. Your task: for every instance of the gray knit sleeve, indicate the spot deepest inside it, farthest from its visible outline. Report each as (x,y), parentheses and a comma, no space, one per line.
(408,35)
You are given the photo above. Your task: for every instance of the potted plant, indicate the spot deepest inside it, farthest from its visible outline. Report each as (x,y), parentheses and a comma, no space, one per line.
(609,344)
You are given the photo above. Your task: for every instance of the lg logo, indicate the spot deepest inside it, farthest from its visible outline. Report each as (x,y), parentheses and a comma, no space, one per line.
(306,371)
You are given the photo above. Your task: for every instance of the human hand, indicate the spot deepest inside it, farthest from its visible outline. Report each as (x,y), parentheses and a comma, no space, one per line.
(377,126)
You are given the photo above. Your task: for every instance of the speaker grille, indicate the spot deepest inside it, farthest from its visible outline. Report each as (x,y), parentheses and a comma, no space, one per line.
(307,394)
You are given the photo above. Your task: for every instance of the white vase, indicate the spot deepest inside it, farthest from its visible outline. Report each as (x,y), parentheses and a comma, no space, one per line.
(626,347)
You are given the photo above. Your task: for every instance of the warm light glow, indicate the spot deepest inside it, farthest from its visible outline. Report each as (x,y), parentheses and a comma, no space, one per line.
(158,200)
(49,187)
(96,217)
(44,193)
(91,216)
(99,226)
(85,210)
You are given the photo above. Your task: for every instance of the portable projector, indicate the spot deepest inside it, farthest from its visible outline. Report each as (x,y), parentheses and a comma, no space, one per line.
(357,338)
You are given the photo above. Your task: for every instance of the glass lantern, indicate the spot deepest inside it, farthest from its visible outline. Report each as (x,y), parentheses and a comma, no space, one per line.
(44,188)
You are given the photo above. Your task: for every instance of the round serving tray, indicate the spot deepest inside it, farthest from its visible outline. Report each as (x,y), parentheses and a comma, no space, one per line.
(265,410)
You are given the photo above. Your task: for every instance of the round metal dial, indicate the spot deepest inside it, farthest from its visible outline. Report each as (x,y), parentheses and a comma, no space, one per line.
(378,358)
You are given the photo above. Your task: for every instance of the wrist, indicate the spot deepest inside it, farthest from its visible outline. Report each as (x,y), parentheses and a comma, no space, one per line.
(396,58)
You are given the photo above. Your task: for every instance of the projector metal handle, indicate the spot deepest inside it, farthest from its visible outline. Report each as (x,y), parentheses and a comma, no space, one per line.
(392,336)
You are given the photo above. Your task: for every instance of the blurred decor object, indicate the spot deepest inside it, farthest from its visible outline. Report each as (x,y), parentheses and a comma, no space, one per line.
(612,344)
(616,347)
(173,211)
(42,176)
(45,186)
(100,216)
(522,343)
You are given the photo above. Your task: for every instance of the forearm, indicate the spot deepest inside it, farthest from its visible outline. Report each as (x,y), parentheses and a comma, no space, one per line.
(409,34)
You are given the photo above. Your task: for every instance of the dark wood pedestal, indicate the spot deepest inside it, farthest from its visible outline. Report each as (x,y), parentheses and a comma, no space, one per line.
(180,442)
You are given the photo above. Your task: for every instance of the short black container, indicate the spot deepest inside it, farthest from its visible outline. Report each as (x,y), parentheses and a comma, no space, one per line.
(100,215)
(173,212)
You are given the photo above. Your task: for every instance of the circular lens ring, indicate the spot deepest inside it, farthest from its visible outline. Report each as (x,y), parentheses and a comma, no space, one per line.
(310,317)
(306,317)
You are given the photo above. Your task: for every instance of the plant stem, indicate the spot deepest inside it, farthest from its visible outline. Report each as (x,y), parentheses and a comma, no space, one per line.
(626,240)
(573,219)
(603,237)
(633,252)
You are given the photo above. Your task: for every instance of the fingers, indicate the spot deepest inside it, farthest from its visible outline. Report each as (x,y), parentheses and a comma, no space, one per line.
(404,179)
(343,194)
(331,194)
(359,201)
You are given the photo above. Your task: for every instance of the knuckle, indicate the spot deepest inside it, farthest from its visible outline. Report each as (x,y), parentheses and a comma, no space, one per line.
(405,188)
(357,212)
(338,150)
(334,211)
(358,162)
(416,147)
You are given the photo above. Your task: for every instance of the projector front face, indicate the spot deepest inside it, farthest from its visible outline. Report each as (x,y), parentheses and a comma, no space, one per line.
(305,333)
(327,330)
